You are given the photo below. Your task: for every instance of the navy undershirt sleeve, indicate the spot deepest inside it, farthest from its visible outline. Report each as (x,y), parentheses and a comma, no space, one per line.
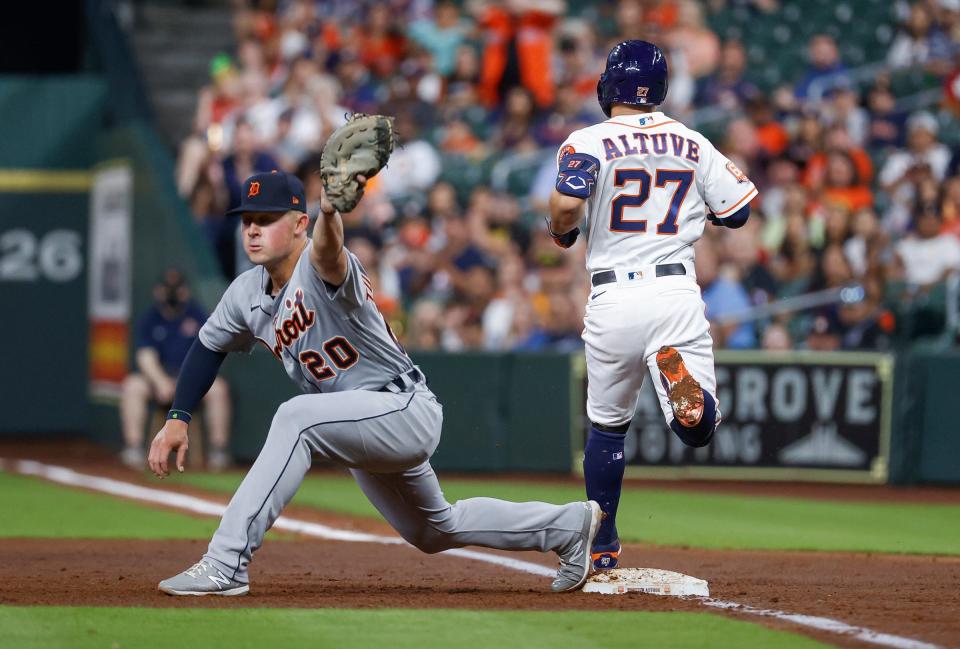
(738,219)
(199,369)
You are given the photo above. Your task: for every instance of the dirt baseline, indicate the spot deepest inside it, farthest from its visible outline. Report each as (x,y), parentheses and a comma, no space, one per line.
(909,596)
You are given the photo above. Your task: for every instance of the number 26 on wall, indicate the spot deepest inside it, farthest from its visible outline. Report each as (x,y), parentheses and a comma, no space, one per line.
(622,177)
(26,256)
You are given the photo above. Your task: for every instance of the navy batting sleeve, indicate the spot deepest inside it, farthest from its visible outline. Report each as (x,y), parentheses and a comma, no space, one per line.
(199,369)
(736,220)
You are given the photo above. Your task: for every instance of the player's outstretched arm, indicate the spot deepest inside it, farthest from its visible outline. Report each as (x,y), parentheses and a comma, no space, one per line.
(200,368)
(352,154)
(327,253)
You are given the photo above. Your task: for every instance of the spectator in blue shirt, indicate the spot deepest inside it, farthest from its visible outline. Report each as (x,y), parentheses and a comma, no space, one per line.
(728,86)
(164,334)
(441,36)
(826,70)
(723,297)
(559,328)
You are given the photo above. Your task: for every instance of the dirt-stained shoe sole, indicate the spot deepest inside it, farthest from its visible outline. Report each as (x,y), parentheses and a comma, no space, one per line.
(683,391)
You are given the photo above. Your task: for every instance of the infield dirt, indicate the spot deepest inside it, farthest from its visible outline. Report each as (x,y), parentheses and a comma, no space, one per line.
(912,596)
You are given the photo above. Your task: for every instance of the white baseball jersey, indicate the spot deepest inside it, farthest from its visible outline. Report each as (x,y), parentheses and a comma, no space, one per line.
(656,181)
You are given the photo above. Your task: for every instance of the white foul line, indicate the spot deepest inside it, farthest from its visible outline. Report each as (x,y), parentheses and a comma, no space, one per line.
(825,624)
(70,477)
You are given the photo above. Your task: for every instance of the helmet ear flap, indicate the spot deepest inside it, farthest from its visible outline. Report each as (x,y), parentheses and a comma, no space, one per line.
(604,101)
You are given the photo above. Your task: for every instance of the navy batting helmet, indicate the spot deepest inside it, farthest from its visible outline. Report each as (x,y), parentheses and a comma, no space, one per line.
(636,74)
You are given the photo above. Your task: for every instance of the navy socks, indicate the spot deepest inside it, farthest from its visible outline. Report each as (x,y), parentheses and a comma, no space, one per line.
(603,474)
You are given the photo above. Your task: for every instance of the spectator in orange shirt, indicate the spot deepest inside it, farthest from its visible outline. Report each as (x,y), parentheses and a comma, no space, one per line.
(518,49)
(771,134)
(380,44)
(842,183)
(836,139)
(665,14)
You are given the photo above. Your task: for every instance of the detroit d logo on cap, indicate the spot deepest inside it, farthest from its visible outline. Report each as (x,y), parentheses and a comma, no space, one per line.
(254,189)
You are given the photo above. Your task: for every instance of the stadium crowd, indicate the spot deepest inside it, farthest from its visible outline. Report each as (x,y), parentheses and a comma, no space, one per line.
(854,191)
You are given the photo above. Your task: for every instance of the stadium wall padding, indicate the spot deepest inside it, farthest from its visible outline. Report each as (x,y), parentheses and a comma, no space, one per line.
(504,411)
(501,412)
(49,124)
(926,443)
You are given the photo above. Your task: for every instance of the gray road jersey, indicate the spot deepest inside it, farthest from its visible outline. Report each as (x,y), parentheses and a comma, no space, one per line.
(328,339)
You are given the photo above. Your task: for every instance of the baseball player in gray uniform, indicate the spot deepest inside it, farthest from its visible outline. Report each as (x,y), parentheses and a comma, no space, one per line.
(365,406)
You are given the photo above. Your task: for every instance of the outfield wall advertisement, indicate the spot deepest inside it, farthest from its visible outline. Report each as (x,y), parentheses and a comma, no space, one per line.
(792,416)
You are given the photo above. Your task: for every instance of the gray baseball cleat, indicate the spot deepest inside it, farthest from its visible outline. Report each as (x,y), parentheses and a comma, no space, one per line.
(575,560)
(134,458)
(202,579)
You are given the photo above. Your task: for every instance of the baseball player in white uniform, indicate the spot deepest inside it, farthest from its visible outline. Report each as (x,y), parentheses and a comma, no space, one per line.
(644,185)
(365,406)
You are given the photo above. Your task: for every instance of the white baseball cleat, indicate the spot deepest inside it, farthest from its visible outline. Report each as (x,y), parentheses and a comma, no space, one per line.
(202,579)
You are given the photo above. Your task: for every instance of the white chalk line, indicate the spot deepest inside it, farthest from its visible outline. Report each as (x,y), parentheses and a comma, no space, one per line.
(196,505)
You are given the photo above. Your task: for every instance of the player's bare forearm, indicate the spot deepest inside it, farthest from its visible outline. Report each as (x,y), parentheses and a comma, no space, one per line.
(565,212)
(327,254)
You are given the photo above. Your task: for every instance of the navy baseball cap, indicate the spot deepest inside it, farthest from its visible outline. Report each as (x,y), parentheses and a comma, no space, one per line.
(273,191)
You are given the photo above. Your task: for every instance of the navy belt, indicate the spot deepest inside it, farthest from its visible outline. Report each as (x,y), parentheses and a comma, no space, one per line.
(662,270)
(403,382)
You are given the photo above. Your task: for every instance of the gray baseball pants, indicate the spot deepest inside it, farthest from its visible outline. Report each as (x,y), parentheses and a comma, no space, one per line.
(386,440)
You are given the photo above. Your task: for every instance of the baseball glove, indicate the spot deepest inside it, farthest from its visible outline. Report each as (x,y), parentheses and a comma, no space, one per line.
(362,146)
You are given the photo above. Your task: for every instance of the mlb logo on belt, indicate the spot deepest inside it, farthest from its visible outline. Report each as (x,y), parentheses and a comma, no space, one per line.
(635,274)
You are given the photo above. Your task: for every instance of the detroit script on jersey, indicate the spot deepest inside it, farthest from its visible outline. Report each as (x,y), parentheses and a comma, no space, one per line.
(328,338)
(656,182)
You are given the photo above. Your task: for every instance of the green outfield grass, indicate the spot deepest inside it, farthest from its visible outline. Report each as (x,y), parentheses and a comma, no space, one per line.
(123,628)
(706,520)
(34,507)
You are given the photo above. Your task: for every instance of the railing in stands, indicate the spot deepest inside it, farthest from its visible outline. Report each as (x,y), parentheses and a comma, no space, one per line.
(842,295)
(113,57)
